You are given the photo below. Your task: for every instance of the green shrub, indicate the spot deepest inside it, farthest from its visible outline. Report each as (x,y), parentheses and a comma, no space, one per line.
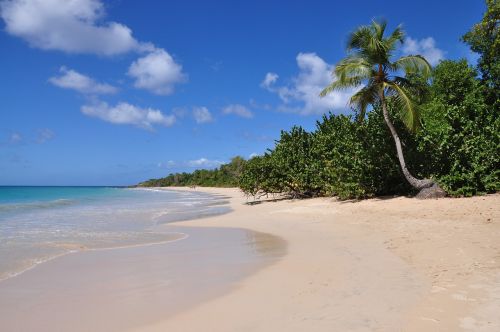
(261,176)
(458,145)
(460,135)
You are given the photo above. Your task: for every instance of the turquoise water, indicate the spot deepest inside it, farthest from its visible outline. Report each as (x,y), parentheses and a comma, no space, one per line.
(40,223)
(45,194)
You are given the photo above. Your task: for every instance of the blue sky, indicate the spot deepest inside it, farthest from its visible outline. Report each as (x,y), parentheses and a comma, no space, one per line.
(115,92)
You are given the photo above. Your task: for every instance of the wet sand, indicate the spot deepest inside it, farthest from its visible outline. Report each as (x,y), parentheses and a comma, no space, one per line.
(119,289)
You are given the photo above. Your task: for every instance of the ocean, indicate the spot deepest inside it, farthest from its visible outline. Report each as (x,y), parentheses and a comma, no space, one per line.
(38,224)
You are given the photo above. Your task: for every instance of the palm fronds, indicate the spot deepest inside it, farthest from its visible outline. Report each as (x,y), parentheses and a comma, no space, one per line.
(409,111)
(369,65)
(413,64)
(362,99)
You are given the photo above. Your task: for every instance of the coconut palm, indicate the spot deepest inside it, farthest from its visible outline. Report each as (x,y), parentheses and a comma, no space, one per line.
(368,69)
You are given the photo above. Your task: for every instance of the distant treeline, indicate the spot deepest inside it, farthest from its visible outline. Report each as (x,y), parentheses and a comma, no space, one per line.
(226,175)
(457,145)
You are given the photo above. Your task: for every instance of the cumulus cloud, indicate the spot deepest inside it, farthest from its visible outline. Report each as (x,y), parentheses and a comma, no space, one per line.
(44,135)
(425,47)
(73,80)
(302,94)
(238,110)
(74,26)
(157,72)
(202,115)
(124,113)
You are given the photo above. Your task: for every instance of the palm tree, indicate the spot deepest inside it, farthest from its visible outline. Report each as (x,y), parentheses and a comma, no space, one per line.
(368,68)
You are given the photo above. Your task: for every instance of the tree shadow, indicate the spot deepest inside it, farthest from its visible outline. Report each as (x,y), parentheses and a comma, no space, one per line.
(268,200)
(375,199)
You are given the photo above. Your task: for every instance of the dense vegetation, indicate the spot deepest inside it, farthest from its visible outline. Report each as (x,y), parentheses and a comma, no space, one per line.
(370,68)
(457,144)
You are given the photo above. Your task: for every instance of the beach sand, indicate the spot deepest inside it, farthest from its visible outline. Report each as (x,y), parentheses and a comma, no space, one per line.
(395,264)
(120,289)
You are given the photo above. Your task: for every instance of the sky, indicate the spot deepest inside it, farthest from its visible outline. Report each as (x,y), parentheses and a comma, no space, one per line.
(115,92)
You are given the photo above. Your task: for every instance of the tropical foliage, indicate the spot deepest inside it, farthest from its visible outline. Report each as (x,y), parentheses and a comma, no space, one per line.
(461,134)
(484,39)
(457,116)
(449,127)
(369,68)
(458,144)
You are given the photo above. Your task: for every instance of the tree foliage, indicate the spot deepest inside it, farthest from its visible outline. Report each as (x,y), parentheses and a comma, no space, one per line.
(226,175)
(484,39)
(371,68)
(458,144)
(461,132)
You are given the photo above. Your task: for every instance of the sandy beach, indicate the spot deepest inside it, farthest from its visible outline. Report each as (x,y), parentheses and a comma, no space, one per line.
(123,288)
(249,166)
(395,264)
(392,264)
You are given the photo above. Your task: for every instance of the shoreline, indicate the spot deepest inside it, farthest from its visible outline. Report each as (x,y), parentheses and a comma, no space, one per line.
(81,250)
(121,288)
(53,248)
(395,264)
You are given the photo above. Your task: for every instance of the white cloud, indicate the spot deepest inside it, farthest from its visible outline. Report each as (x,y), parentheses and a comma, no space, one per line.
(425,47)
(238,110)
(74,26)
(157,72)
(44,135)
(202,115)
(269,80)
(254,154)
(71,79)
(15,138)
(204,163)
(302,95)
(125,113)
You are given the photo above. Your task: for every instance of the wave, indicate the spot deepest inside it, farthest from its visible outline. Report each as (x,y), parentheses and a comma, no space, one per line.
(36,205)
(175,216)
(72,248)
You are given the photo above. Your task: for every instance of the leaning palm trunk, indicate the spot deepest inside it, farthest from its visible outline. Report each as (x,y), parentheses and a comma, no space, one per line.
(415,183)
(369,68)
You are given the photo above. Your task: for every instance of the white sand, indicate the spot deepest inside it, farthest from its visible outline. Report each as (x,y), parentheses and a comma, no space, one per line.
(378,265)
(395,264)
